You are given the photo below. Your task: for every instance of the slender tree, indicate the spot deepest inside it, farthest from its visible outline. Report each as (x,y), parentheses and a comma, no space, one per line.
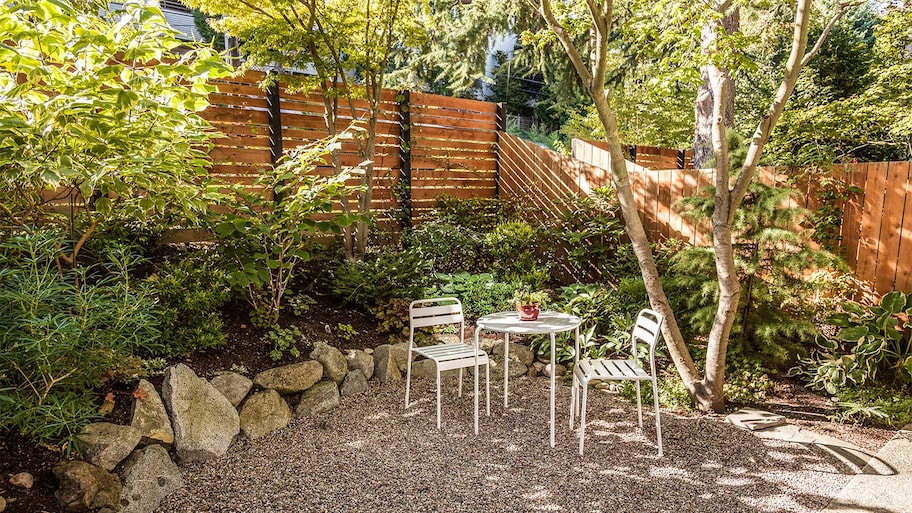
(720,56)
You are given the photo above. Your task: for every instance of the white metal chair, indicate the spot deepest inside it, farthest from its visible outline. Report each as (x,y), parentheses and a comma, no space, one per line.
(647,330)
(437,311)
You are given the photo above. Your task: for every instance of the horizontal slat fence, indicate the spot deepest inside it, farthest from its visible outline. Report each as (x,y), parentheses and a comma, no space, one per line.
(876,227)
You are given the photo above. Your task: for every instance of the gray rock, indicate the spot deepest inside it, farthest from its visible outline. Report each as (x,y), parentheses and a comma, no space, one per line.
(150,416)
(400,354)
(353,384)
(559,370)
(539,366)
(518,352)
(84,486)
(263,413)
(233,386)
(335,366)
(362,361)
(516,369)
(753,419)
(149,476)
(22,480)
(290,379)
(108,444)
(205,422)
(385,368)
(369,350)
(322,397)
(428,369)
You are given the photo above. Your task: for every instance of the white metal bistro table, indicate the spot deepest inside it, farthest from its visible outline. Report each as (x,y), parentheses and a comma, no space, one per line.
(548,323)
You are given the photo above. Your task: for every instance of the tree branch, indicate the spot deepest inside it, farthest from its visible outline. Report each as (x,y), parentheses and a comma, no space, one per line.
(544,8)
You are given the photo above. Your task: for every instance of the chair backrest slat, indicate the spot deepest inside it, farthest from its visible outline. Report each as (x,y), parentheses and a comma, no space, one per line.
(435,313)
(647,328)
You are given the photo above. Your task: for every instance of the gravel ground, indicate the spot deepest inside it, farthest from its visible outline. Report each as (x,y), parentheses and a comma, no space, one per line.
(370,455)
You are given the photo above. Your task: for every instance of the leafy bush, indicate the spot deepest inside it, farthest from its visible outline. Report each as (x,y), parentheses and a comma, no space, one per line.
(872,346)
(284,340)
(672,393)
(265,239)
(448,247)
(191,290)
(380,277)
(476,214)
(480,294)
(886,405)
(64,333)
(511,249)
(393,315)
(746,381)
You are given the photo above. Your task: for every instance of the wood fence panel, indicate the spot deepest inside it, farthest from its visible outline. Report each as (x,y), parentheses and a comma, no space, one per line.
(903,280)
(869,236)
(850,230)
(888,255)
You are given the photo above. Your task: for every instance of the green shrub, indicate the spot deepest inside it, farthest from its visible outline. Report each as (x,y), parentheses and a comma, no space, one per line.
(480,294)
(393,315)
(64,333)
(746,381)
(380,277)
(511,252)
(872,345)
(476,214)
(191,290)
(284,340)
(448,247)
(672,393)
(885,405)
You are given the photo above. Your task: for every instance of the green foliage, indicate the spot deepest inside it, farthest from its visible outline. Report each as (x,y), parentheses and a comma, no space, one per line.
(784,279)
(476,214)
(64,332)
(284,340)
(101,108)
(527,296)
(673,394)
(480,294)
(191,290)
(265,240)
(511,249)
(872,346)
(882,404)
(300,303)
(381,276)
(393,315)
(345,331)
(747,381)
(448,247)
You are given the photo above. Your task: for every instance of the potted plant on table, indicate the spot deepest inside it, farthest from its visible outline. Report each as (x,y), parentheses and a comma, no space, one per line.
(529,303)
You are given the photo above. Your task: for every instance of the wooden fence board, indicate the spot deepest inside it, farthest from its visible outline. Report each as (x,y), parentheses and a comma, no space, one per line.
(871,223)
(903,280)
(887,257)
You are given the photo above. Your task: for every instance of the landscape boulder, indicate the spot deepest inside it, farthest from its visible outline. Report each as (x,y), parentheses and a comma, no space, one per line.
(149,476)
(518,352)
(353,384)
(22,480)
(263,413)
(428,369)
(322,397)
(290,379)
(85,487)
(108,444)
(385,368)
(400,354)
(205,422)
(362,361)
(150,416)
(233,386)
(335,366)
(559,370)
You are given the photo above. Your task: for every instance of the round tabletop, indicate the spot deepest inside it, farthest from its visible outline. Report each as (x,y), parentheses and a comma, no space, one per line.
(547,322)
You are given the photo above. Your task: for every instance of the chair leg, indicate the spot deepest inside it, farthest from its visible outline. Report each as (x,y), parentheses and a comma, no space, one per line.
(438,398)
(582,428)
(460,382)
(573,400)
(488,386)
(655,400)
(476,395)
(408,381)
(639,406)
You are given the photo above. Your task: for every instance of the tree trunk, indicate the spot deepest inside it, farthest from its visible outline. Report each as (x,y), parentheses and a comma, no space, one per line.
(703,106)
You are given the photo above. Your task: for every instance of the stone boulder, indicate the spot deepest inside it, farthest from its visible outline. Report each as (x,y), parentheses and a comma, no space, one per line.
(322,397)
(400,354)
(521,353)
(335,366)
(353,384)
(232,385)
(362,361)
(22,480)
(149,476)
(84,487)
(263,413)
(150,416)
(385,368)
(290,379)
(108,444)
(2,504)
(205,421)
(559,370)
(428,369)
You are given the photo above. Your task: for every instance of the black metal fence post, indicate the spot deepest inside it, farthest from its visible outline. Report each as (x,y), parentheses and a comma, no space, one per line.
(501,128)
(274,114)
(403,102)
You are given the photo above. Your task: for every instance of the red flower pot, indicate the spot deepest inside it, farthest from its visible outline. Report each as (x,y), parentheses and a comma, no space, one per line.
(528,312)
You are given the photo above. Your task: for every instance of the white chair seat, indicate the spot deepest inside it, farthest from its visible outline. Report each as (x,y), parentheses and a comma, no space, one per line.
(452,356)
(590,370)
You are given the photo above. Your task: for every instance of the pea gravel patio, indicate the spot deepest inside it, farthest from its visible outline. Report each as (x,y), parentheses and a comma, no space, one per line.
(370,455)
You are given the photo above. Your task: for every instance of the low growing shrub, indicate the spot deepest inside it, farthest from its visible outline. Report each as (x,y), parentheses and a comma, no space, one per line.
(380,277)
(448,247)
(480,294)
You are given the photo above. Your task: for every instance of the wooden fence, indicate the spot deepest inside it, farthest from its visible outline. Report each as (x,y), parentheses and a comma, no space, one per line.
(434,144)
(428,145)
